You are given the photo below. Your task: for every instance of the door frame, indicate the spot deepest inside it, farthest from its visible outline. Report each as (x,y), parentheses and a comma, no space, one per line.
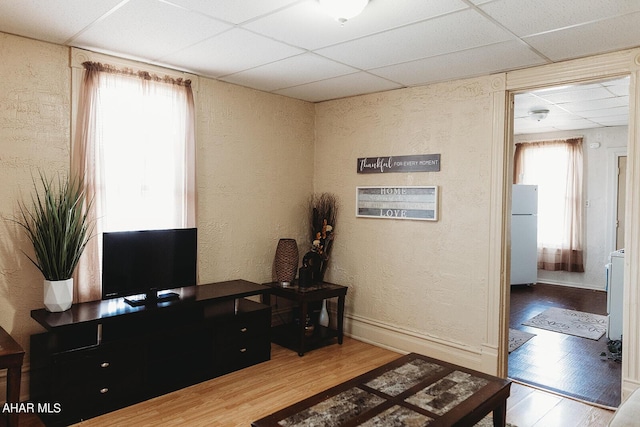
(602,67)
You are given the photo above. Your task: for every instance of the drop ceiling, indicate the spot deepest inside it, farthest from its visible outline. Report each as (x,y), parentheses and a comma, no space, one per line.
(292,48)
(584,106)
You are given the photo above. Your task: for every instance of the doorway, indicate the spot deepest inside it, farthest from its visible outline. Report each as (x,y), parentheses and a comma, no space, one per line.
(598,112)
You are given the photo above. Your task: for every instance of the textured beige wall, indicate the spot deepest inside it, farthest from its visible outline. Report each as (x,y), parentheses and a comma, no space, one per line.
(422,277)
(34,134)
(255,173)
(254,159)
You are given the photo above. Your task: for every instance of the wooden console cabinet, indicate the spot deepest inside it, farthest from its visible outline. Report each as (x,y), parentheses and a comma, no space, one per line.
(103,355)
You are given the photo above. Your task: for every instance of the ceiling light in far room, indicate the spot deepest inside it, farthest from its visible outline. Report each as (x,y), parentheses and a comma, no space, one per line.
(539,114)
(343,10)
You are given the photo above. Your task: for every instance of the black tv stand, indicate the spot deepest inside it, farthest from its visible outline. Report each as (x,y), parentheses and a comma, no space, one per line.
(151,298)
(100,356)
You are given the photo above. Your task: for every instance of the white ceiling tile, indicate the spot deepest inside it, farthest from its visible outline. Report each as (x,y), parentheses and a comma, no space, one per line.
(584,106)
(285,73)
(555,113)
(306,24)
(607,112)
(417,41)
(614,120)
(576,124)
(568,88)
(339,87)
(472,62)
(618,87)
(234,11)
(577,93)
(50,20)
(589,39)
(149,29)
(525,126)
(527,100)
(526,17)
(270,44)
(233,51)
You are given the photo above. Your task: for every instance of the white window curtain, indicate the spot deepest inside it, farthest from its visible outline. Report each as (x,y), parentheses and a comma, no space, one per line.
(135,148)
(556,168)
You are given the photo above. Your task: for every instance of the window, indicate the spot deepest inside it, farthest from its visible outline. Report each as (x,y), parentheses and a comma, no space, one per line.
(134,146)
(140,134)
(556,168)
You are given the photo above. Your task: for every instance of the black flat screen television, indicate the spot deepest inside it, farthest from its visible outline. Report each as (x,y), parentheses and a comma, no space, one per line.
(138,265)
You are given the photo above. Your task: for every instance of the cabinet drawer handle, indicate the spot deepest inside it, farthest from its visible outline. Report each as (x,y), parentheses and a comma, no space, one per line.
(243,350)
(104,390)
(104,365)
(243,330)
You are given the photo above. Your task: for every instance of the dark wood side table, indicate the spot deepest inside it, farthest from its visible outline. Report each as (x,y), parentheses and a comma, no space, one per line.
(294,336)
(11,356)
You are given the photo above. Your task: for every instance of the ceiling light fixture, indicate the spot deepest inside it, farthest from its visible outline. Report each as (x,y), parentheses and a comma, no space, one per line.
(343,10)
(538,115)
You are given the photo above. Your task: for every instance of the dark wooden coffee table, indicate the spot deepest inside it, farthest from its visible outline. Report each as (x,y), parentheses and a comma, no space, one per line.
(413,390)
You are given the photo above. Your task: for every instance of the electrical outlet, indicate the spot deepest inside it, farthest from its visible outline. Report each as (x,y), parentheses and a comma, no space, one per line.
(587,203)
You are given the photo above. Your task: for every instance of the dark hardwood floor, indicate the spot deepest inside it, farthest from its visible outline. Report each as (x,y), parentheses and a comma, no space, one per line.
(565,364)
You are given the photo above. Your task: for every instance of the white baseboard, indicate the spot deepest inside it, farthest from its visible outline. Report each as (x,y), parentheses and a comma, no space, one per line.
(393,338)
(628,387)
(572,284)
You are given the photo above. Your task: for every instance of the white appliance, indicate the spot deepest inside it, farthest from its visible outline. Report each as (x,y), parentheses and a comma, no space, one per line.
(615,289)
(524,234)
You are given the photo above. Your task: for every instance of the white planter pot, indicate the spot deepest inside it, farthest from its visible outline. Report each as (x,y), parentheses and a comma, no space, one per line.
(58,295)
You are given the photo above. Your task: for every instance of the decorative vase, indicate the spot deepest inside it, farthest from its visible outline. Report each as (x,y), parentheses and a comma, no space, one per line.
(323,318)
(286,262)
(313,261)
(58,295)
(308,327)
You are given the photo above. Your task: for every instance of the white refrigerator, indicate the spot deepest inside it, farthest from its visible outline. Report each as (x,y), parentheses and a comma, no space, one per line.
(524,234)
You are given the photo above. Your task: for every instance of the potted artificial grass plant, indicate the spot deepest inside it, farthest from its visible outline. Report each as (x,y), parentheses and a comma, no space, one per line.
(58,228)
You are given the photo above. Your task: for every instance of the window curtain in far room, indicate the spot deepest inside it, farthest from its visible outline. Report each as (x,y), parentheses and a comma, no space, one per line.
(135,148)
(556,168)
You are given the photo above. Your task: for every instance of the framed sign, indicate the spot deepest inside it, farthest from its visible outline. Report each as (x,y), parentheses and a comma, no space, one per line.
(420,203)
(389,164)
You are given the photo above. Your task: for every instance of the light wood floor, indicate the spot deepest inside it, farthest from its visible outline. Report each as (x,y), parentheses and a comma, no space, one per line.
(239,398)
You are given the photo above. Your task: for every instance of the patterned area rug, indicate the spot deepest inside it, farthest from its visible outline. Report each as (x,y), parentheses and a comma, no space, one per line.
(517,338)
(571,322)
